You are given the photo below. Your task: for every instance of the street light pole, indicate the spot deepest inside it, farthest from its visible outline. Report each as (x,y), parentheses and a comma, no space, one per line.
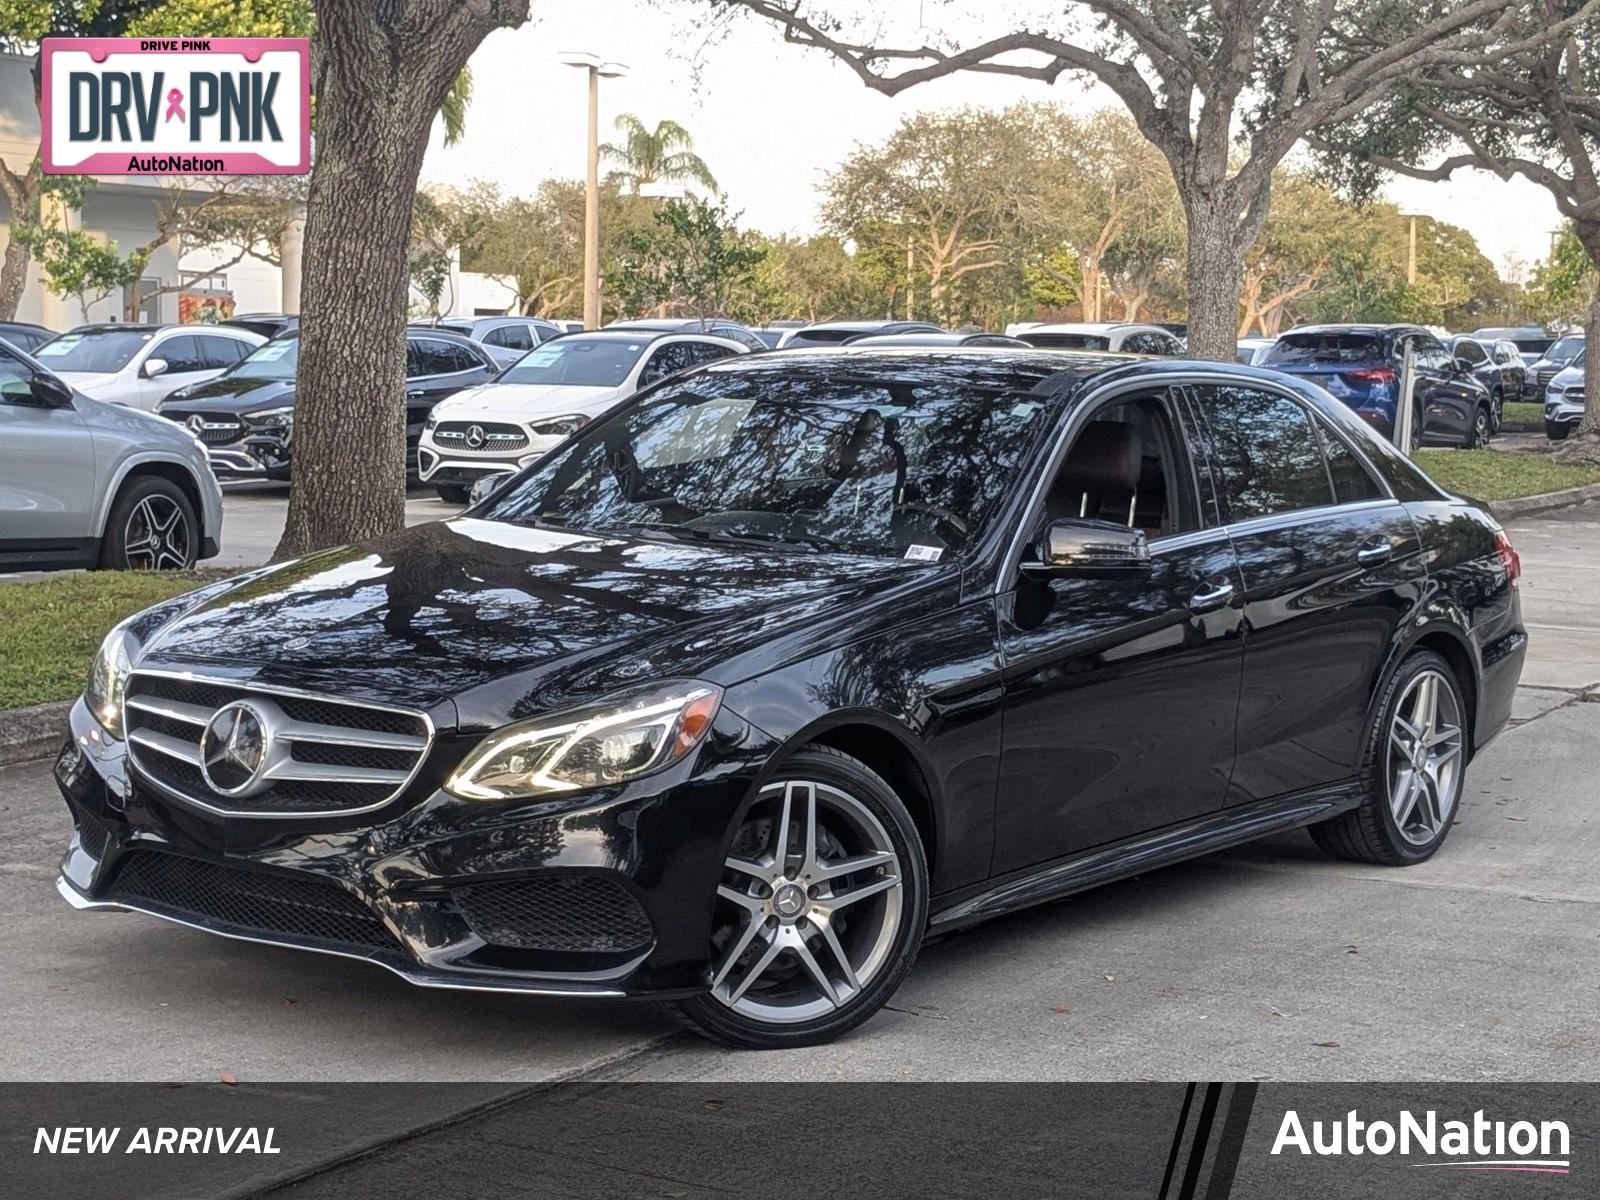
(596,68)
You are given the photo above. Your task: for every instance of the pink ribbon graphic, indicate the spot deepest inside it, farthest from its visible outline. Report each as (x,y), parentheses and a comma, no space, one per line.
(175,105)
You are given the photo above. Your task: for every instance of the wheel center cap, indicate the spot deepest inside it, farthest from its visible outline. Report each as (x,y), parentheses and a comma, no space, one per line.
(789,900)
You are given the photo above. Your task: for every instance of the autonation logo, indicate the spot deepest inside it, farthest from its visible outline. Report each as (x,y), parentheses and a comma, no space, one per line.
(1476,1145)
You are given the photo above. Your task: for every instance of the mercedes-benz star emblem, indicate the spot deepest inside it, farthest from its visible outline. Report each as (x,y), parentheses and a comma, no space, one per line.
(195,423)
(233,748)
(475,437)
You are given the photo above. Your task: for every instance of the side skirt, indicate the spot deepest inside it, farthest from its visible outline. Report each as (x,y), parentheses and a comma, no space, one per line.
(1210,833)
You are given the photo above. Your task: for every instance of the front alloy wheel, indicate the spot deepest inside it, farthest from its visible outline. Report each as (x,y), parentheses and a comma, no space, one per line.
(819,909)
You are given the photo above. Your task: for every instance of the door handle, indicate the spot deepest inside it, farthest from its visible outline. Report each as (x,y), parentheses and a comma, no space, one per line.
(1375,553)
(1211,597)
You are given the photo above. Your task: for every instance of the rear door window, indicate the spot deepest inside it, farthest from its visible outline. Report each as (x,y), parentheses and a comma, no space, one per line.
(1266,454)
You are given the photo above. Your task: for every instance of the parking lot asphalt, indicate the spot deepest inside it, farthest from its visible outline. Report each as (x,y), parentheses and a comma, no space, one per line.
(1269,962)
(253,516)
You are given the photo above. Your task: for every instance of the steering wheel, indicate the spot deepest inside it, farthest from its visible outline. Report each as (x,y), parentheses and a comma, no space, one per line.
(943,518)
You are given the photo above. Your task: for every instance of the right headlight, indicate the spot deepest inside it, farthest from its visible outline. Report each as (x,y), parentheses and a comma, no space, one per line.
(633,734)
(559,426)
(108,680)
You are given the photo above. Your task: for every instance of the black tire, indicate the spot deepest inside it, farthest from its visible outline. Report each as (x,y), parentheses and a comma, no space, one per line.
(1557,433)
(1369,833)
(711,1017)
(1479,432)
(451,493)
(126,544)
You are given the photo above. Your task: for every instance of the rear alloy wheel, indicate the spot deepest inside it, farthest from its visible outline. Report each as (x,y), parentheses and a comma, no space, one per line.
(1416,763)
(1497,413)
(820,909)
(151,528)
(1478,436)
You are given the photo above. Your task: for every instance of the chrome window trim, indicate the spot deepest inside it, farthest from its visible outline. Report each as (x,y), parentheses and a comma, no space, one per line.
(1011,563)
(275,690)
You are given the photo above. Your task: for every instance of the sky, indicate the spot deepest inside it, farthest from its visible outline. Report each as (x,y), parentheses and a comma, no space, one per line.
(772,119)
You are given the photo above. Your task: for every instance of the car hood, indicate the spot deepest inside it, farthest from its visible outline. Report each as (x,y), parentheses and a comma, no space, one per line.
(525,402)
(510,620)
(228,394)
(1567,376)
(90,382)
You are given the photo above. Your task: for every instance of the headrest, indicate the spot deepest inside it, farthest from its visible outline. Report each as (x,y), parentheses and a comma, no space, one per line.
(1105,458)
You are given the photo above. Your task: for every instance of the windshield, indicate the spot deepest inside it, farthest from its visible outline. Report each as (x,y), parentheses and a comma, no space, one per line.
(1324,348)
(908,469)
(275,360)
(1066,341)
(102,351)
(580,362)
(1564,349)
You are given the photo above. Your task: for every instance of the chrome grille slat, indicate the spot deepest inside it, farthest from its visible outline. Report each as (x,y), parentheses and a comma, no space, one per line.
(172,747)
(291,769)
(327,755)
(193,714)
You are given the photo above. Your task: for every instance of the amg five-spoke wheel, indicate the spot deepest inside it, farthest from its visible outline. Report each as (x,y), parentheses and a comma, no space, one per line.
(1425,758)
(156,537)
(1411,775)
(819,909)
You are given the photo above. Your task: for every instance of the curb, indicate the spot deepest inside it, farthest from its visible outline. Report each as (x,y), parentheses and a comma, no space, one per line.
(30,733)
(1523,506)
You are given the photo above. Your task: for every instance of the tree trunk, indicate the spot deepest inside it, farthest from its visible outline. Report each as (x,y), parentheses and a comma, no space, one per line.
(1215,272)
(379,86)
(13,277)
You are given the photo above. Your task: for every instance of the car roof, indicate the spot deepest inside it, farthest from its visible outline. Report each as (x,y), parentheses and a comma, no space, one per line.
(674,324)
(1090,326)
(1355,327)
(886,324)
(918,337)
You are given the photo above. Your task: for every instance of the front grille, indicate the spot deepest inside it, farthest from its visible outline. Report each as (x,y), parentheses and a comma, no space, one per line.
(93,835)
(248,900)
(555,912)
(321,756)
(455,435)
(214,430)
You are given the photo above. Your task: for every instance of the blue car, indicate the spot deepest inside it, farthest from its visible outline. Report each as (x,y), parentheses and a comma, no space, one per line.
(1361,364)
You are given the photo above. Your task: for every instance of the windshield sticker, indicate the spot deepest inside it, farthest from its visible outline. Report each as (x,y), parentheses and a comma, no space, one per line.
(1025,409)
(62,345)
(920,553)
(271,352)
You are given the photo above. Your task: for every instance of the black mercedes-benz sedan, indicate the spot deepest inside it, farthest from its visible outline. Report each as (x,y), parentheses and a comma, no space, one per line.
(793,661)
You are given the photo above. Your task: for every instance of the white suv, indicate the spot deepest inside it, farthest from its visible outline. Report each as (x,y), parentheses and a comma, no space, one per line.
(140,365)
(554,390)
(87,484)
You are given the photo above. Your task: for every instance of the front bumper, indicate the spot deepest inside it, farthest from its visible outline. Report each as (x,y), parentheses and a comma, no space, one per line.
(256,455)
(1564,409)
(452,465)
(419,888)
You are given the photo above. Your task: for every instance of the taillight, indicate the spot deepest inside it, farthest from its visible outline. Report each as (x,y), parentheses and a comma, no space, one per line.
(1509,558)
(1383,375)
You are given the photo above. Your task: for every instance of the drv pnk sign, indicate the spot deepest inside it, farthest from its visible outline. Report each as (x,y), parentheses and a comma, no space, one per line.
(176,106)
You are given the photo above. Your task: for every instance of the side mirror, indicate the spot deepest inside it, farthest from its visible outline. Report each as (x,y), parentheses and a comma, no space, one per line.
(1465,367)
(153,367)
(50,391)
(1081,547)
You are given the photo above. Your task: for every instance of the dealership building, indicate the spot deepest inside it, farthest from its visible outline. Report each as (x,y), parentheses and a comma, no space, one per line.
(123,209)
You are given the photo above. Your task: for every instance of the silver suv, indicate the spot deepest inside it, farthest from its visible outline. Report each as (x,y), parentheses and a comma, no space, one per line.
(89,484)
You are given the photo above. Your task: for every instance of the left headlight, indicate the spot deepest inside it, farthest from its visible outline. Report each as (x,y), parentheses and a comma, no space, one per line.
(108,680)
(632,735)
(272,418)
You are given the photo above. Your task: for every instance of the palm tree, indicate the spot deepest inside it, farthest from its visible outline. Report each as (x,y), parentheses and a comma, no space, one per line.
(664,154)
